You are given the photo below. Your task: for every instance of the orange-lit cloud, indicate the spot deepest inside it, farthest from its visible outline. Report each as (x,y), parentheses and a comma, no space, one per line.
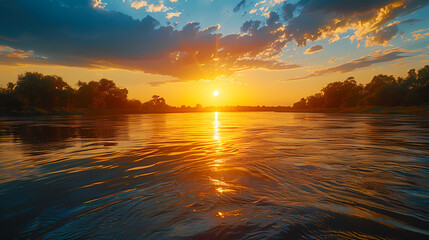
(326,19)
(80,34)
(115,40)
(363,62)
(173,14)
(98,4)
(160,7)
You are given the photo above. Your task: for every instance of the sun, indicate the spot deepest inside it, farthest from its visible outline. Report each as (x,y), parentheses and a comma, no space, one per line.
(216,93)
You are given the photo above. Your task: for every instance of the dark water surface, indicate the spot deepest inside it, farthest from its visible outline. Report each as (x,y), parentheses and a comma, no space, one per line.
(215,176)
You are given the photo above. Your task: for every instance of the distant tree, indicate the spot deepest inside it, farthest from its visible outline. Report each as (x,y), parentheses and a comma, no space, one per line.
(316,101)
(134,104)
(301,104)
(423,84)
(101,94)
(89,96)
(384,90)
(342,94)
(156,104)
(10,86)
(9,100)
(378,81)
(38,90)
(115,97)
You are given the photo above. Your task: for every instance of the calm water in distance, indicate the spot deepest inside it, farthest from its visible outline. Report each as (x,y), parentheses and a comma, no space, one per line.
(256,175)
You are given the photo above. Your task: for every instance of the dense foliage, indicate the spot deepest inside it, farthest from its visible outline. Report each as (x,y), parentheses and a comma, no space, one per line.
(35,90)
(383,90)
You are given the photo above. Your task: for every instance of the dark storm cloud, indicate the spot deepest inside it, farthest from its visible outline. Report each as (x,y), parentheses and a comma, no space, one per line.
(288,10)
(273,17)
(76,34)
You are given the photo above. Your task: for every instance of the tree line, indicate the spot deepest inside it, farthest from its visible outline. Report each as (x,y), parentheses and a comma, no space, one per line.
(35,90)
(382,90)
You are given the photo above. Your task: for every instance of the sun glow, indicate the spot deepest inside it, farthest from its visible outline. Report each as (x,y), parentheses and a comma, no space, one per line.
(216,93)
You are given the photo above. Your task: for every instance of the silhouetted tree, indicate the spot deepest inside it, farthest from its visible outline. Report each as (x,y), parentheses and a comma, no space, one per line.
(101,94)
(316,101)
(301,104)
(156,104)
(382,90)
(9,100)
(342,94)
(37,90)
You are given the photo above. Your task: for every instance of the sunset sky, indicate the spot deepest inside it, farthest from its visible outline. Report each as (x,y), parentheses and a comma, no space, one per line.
(268,52)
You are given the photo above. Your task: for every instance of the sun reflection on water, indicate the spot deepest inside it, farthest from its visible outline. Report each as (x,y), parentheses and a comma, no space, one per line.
(216,125)
(222,187)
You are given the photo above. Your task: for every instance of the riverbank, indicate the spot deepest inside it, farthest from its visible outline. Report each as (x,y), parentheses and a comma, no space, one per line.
(413,110)
(78,111)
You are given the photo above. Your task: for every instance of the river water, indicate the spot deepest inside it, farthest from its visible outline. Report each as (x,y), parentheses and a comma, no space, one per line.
(255,175)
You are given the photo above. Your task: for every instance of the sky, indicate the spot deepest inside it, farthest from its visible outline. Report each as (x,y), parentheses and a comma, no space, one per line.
(260,52)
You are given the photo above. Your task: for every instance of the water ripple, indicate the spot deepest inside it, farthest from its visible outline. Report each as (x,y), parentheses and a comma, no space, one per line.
(215,176)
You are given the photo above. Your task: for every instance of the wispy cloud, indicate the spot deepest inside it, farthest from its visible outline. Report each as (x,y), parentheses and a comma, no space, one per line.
(363,62)
(314,49)
(240,5)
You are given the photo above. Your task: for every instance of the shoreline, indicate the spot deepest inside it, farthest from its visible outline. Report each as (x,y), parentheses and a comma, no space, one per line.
(412,110)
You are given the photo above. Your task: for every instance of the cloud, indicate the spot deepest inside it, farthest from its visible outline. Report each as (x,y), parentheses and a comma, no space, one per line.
(160,7)
(159,83)
(264,64)
(138,4)
(383,35)
(240,5)
(334,39)
(288,10)
(325,19)
(273,17)
(363,62)
(419,34)
(171,14)
(314,49)
(17,53)
(76,34)
(336,59)
(98,4)
(11,56)
(421,30)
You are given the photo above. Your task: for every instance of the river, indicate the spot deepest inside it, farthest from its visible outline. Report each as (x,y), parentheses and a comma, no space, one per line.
(248,175)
